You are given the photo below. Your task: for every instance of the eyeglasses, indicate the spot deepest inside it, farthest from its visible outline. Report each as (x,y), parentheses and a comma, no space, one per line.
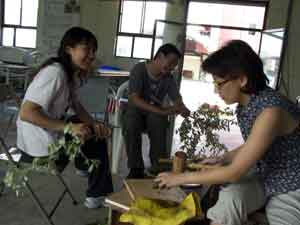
(219,85)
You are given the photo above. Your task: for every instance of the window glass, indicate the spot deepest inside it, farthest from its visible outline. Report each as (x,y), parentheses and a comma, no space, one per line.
(131,16)
(154,11)
(124,46)
(226,14)
(270,53)
(160,29)
(158,43)
(142,48)
(137,18)
(18,16)
(8,36)
(12,12)
(26,38)
(30,13)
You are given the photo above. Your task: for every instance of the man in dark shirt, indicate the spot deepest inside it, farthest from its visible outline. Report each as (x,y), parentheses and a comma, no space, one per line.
(149,83)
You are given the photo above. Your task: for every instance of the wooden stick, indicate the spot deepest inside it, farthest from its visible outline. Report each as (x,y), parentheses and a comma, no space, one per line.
(130,192)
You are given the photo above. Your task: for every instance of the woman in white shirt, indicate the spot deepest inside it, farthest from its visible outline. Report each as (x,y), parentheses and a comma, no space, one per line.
(51,93)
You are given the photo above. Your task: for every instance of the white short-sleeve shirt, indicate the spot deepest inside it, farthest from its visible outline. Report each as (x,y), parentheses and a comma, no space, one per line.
(50,90)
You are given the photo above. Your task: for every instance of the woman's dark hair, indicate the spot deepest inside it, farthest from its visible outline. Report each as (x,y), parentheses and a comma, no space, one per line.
(72,37)
(167,49)
(234,59)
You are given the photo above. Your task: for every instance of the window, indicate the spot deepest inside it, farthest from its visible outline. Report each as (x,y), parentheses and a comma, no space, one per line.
(19,23)
(136,24)
(226,14)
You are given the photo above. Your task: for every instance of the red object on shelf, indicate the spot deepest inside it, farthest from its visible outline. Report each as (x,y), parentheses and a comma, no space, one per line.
(195,47)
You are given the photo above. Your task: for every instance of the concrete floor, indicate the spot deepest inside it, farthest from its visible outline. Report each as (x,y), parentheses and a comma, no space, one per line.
(22,211)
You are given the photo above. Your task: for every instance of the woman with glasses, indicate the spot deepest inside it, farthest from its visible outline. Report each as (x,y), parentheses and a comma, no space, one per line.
(265,170)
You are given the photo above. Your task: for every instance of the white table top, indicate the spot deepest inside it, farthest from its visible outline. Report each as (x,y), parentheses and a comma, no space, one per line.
(112,73)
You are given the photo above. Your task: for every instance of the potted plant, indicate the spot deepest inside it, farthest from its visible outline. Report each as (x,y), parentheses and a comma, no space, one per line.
(198,132)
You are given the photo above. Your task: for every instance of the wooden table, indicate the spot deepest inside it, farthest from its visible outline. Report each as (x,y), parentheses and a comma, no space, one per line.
(120,202)
(114,217)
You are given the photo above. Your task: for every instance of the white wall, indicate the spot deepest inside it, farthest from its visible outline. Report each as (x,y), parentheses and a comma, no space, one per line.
(277,13)
(291,66)
(277,17)
(102,19)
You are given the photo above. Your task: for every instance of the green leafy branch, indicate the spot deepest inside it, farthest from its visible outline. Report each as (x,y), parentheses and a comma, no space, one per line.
(198,132)
(69,144)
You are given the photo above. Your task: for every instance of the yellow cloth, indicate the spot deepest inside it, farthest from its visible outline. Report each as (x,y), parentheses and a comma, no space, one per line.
(152,212)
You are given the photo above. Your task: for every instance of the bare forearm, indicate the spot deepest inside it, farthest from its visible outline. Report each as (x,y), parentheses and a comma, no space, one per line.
(39,118)
(83,115)
(179,102)
(229,156)
(181,108)
(140,103)
(219,175)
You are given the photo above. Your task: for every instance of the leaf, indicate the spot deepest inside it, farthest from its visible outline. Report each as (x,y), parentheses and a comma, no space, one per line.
(69,144)
(198,132)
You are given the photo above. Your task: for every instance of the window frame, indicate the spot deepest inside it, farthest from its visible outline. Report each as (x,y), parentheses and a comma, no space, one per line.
(262,3)
(134,35)
(15,27)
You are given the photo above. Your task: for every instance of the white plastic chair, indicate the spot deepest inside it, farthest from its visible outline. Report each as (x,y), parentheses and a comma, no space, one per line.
(119,156)
(117,137)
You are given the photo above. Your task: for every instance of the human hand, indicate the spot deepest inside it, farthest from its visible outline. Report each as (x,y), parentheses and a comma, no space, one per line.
(82,130)
(101,131)
(177,109)
(185,112)
(169,179)
(171,110)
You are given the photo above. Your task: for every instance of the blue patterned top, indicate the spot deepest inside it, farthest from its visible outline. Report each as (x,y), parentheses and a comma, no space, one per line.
(280,166)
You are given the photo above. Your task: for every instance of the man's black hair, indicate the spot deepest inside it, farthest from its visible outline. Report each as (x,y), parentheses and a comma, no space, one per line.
(167,49)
